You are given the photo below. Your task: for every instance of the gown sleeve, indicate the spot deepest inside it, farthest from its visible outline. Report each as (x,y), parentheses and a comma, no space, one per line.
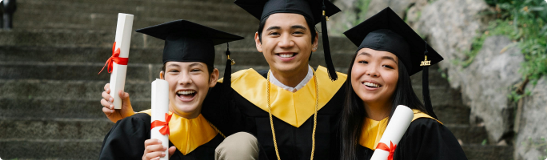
(427,139)
(126,138)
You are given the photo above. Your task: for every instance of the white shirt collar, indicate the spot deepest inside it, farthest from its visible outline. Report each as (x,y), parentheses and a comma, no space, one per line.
(298,87)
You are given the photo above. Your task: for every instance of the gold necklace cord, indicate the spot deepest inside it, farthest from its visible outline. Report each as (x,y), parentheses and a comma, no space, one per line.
(314,116)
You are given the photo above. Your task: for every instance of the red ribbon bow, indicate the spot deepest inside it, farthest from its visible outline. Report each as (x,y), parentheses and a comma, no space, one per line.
(164,125)
(114,58)
(390,149)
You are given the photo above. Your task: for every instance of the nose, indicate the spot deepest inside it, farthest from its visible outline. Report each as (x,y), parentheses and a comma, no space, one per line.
(185,79)
(372,71)
(285,41)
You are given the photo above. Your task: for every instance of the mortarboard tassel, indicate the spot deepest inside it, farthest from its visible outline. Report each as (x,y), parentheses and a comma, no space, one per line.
(228,70)
(326,48)
(425,85)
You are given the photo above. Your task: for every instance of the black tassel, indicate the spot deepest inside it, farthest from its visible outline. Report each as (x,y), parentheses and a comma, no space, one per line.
(228,72)
(326,48)
(425,88)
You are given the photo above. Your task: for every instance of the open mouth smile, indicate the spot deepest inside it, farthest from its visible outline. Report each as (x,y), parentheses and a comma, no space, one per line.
(186,95)
(371,85)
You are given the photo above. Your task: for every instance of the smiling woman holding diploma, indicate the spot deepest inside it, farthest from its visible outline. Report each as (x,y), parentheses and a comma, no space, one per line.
(378,82)
(186,77)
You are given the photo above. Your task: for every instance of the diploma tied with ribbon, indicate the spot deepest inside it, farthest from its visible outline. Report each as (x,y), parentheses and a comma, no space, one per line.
(117,63)
(395,130)
(160,114)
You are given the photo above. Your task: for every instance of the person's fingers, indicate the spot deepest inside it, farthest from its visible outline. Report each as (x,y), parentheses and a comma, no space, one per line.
(107,97)
(172,151)
(107,87)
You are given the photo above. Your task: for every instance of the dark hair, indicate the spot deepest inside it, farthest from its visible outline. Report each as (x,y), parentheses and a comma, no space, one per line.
(353,113)
(309,22)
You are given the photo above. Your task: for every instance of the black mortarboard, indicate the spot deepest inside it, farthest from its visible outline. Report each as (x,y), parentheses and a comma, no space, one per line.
(186,41)
(314,11)
(386,31)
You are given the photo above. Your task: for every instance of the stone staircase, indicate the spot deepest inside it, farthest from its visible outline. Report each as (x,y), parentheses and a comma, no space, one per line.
(50,90)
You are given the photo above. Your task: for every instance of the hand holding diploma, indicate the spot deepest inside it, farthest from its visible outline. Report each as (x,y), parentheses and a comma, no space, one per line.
(160,116)
(112,114)
(394,132)
(117,63)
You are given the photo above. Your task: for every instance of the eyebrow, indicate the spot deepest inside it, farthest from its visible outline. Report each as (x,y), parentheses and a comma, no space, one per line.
(298,27)
(196,64)
(273,27)
(292,27)
(383,57)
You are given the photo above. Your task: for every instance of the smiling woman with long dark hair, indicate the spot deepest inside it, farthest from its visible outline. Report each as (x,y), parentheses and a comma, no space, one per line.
(378,81)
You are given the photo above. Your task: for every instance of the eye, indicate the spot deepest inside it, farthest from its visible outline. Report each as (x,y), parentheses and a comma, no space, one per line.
(195,70)
(273,33)
(173,70)
(388,66)
(298,33)
(363,62)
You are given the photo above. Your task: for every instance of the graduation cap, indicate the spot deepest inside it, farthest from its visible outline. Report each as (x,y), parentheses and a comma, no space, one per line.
(186,41)
(386,31)
(314,11)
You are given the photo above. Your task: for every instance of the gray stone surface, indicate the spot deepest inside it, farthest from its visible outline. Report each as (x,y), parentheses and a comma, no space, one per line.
(450,27)
(531,139)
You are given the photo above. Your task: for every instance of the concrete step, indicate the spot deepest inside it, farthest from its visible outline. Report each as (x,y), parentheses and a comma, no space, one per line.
(482,152)
(468,134)
(60,107)
(89,38)
(50,149)
(107,21)
(55,128)
(118,6)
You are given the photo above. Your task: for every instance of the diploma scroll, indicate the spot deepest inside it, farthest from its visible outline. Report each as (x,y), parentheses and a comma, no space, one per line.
(160,118)
(122,42)
(394,132)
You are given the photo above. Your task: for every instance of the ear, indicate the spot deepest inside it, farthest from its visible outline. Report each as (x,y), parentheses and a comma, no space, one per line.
(213,78)
(315,42)
(258,43)
(162,75)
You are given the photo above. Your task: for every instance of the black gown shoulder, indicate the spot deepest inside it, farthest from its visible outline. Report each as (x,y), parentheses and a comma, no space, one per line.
(125,140)
(425,139)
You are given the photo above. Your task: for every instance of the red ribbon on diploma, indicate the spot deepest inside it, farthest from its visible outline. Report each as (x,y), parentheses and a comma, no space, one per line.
(114,58)
(164,125)
(390,149)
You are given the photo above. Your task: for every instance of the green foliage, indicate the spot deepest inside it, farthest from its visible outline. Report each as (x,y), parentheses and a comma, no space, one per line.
(362,8)
(484,142)
(524,21)
(538,144)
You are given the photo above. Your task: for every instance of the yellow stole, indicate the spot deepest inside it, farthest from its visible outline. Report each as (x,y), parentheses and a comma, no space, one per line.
(188,134)
(372,130)
(293,108)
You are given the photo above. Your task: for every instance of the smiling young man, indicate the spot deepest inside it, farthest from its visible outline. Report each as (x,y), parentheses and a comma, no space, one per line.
(292,109)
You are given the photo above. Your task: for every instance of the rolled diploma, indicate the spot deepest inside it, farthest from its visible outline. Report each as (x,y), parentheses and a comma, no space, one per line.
(395,130)
(123,40)
(160,106)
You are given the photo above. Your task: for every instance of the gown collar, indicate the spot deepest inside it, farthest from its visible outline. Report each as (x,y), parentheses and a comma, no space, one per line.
(189,134)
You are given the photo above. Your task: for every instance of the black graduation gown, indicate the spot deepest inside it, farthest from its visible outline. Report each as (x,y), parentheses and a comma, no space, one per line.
(425,139)
(293,143)
(126,141)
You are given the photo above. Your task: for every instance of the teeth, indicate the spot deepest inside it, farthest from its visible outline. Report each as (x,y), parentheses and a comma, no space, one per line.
(286,55)
(186,92)
(368,84)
